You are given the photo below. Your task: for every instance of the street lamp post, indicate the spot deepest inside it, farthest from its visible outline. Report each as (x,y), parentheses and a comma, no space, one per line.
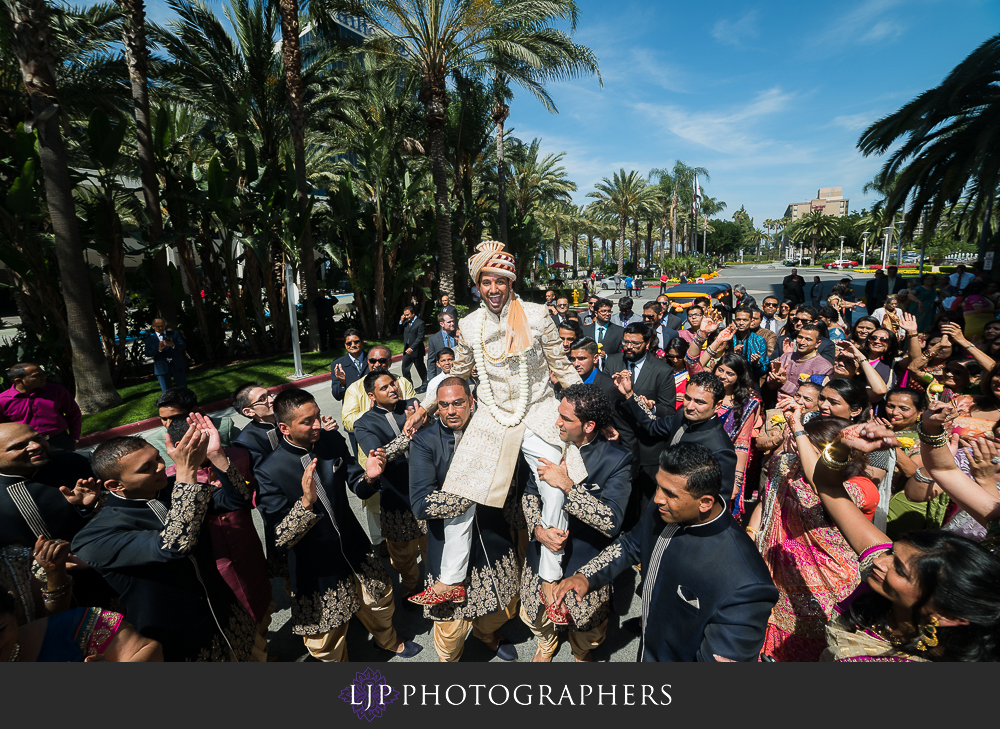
(842,248)
(293,317)
(800,254)
(864,249)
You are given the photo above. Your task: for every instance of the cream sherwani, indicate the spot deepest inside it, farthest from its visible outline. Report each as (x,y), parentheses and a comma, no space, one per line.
(486,457)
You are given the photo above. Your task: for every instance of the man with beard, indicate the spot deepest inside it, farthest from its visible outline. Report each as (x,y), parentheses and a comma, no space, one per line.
(654,380)
(602,330)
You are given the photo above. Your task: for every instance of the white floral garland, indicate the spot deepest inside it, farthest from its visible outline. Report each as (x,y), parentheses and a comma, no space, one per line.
(485,390)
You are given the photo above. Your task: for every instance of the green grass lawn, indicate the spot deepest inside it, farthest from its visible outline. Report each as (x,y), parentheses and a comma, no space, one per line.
(218,383)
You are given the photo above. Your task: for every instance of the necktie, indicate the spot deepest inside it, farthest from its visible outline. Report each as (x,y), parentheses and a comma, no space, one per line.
(357,365)
(600,334)
(679,434)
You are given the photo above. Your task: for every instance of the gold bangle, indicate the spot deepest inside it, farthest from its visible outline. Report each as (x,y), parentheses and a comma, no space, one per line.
(752,533)
(934,440)
(829,461)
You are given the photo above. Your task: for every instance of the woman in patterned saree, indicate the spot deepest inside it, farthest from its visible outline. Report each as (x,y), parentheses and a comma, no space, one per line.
(79,634)
(929,596)
(811,563)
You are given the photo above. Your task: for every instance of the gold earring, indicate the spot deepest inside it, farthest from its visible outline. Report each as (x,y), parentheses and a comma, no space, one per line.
(928,634)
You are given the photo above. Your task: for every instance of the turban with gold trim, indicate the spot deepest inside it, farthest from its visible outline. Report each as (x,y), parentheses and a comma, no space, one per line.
(492,259)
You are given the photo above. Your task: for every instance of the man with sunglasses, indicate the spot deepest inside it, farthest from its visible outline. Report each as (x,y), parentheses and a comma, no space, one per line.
(652,314)
(252,400)
(769,312)
(806,315)
(356,404)
(666,313)
(350,368)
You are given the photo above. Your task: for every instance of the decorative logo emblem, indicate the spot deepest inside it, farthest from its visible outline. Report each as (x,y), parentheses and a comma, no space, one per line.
(369,694)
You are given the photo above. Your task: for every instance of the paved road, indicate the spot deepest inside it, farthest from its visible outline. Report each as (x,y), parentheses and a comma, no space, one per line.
(761,282)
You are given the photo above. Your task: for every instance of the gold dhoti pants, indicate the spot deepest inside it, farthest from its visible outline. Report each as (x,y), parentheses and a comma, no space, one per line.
(544,631)
(375,615)
(449,636)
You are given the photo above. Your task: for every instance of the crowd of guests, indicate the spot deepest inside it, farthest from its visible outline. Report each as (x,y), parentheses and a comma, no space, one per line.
(827,488)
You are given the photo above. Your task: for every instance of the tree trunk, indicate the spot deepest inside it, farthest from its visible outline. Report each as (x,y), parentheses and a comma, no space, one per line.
(435,99)
(30,40)
(649,242)
(136,58)
(576,237)
(500,113)
(590,251)
(673,225)
(622,223)
(555,244)
(292,59)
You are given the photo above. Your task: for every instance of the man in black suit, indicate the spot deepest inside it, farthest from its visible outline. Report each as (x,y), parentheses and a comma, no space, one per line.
(602,331)
(653,379)
(444,339)
(793,287)
(413,342)
(447,308)
(695,422)
(589,315)
(706,592)
(562,309)
(875,292)
(350,368)
(324,304)
(894,283)
(583,355)
(651,315)
(666,316)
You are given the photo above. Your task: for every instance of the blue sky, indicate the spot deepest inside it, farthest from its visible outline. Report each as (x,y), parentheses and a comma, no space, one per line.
(769,98)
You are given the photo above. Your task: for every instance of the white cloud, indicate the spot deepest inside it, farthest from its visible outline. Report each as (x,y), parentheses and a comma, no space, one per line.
(735,32)
(724,131)
(869,22)
(852,122)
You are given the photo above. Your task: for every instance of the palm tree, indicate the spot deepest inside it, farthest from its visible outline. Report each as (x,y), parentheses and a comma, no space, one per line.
(535,184)
(817,225)
(709,207)
(434,39)
(681,178)
(291,56)
(951,147)
(137,59)
(624,197)
(28,22)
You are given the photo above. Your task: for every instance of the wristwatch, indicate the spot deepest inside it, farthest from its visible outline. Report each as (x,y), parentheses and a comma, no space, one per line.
(797,433)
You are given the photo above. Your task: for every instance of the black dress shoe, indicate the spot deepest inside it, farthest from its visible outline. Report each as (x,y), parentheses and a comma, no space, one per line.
(410,649)
(633,625)
(506,651)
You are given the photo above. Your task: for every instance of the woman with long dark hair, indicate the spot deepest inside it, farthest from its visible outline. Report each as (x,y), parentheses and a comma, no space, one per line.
(928,596)
(741,416)
(811,563)
(862,328)
(674,356)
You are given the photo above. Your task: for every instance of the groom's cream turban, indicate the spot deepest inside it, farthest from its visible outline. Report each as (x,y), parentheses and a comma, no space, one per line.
(492,259)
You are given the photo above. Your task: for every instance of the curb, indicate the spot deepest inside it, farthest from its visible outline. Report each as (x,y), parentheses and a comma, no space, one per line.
(141,425)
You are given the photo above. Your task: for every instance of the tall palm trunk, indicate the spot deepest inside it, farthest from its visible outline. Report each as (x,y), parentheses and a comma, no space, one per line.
(649,242)
(30,40)
(435,99)
(291,56)
(576,236)
(590,250)
(635,242)
(555,244)
(622,223)
(673,225)
(136,57)
(500,113)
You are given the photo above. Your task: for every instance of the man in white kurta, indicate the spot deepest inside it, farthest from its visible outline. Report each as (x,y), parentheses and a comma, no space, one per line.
(515,346)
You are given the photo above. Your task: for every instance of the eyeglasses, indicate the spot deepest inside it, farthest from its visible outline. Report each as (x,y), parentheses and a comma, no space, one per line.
(649,317)
(873,338)
(453,404)
(378,361)
(633,345)
(803,321)
(263,399)
(353,343)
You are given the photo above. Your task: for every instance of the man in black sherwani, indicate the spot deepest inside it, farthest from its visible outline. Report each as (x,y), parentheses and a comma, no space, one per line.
(493,574)
(335,572)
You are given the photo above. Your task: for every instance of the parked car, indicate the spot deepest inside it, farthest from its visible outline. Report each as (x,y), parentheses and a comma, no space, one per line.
(793,262)
(844,263)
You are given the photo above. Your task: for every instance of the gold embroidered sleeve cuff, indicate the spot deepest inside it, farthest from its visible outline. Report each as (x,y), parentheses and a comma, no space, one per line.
(396,447)
(602,561)
(591,511)
(188,506)
(642,406)
(441,505)
(532,506)
(295,526)
(239,482)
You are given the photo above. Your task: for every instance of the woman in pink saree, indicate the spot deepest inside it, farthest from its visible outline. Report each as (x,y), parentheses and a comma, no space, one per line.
(811,563)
